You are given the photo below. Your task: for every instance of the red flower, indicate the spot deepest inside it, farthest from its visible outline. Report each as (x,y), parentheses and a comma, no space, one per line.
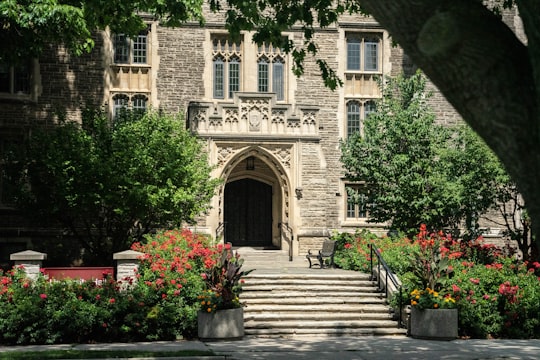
(43,296)
(112,301)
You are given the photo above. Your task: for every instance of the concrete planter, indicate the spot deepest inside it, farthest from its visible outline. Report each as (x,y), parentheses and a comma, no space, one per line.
(221,325)
(434,324)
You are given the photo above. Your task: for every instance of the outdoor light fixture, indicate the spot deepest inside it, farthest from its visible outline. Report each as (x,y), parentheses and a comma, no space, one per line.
(250,163)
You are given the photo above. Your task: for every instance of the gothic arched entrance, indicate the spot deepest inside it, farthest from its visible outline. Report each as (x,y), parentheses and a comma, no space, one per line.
(248,213)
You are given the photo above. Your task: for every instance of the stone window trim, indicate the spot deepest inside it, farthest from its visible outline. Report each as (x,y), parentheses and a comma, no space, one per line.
(131,51)
(226,66)
(20,83)
(356,112)
(128,100)
(363,52)
(353,214)
(271,70)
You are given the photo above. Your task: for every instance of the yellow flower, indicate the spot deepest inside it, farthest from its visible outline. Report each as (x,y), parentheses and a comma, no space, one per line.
(413,302)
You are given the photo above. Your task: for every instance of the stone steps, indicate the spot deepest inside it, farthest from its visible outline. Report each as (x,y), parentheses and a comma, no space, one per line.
(286,301)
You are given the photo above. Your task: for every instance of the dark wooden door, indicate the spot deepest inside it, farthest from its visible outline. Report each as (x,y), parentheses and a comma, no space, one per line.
(248,213)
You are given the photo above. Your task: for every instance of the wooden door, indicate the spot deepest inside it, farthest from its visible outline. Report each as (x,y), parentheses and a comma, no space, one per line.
(248,213)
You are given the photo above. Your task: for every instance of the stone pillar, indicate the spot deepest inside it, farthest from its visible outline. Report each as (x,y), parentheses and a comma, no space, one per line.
(30,260)
(127,264)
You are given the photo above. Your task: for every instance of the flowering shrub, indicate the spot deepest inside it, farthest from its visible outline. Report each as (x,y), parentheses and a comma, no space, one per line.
(162,305)
(224,282)
(497,295)
(431,299)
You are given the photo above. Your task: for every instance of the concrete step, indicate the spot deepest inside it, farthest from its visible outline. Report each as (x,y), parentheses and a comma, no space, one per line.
(309,315)
(320,324)
(290,299)
(321,308)
(324,332)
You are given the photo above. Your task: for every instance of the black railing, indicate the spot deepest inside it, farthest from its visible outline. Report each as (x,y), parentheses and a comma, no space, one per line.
(389,276)
(220,231)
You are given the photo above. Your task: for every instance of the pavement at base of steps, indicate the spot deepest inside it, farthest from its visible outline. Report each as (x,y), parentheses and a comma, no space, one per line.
(338,348)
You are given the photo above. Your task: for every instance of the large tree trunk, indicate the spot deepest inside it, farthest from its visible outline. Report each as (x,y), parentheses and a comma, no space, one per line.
(483,70)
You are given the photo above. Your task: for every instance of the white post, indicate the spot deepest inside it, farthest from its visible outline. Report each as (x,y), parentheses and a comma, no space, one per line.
(127,266)
(30,260)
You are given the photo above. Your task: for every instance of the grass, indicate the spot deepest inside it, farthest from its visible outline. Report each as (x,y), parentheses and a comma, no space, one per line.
(97,354)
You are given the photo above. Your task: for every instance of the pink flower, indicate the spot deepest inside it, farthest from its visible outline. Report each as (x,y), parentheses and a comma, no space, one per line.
(112,301)
(43,296)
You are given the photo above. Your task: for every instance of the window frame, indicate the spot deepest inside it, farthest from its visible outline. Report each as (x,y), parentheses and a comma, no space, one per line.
(130,103)
(355,212)
(355,119)
(134,51)
(359,52)
(226,66)
(12,77)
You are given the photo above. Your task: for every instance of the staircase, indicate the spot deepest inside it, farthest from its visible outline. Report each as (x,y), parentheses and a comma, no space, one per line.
(285,299)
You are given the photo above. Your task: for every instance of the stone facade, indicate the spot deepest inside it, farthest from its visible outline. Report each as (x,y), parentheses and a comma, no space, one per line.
(285,141)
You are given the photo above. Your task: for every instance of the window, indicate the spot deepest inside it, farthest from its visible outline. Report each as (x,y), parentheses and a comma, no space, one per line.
(130,50)
(15,79)
(139,103)
(262,75)
(122,103)
(370,46)
(353,117)
(227,56)
(271,71)
(369,107)
(355,109)
(356,202)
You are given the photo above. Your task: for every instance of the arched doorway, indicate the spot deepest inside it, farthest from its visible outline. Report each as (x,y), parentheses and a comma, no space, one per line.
(248,213)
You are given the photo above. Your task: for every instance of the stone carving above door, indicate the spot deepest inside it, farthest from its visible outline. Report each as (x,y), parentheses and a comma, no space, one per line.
(282,153)
(254,114)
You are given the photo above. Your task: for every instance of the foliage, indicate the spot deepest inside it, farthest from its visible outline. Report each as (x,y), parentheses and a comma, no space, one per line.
(224,281)
(497,295)
(162,305)
(29,26)
(431,299)
(416,171)
(110,185)
(431,264)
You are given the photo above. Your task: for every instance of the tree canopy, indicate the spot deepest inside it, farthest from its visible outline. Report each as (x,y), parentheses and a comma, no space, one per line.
(28,26)
(416,171)
(465,48)
(109,185)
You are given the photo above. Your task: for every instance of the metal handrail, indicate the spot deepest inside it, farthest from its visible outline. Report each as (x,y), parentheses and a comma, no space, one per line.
(220,230)
(389,275)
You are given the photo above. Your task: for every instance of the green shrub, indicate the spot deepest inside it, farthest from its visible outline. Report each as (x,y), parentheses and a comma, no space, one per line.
(497,295)
(162,305)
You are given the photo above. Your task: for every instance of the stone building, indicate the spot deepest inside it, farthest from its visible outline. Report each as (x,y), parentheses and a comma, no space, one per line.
(273,137)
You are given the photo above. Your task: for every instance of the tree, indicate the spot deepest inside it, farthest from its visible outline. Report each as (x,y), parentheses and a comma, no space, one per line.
(490,77)
(28,26)
(416,171)
(110,185)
